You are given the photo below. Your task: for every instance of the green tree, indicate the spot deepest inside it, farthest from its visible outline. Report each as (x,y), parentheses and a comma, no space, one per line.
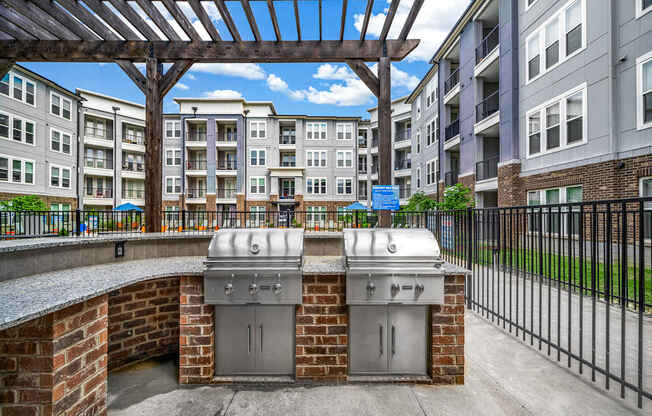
(420,202)
(24,203)
(456,197)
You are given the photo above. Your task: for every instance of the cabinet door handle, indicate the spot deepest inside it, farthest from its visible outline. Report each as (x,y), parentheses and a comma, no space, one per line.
(248,339)
(381,340)
(393,340)
(261,338)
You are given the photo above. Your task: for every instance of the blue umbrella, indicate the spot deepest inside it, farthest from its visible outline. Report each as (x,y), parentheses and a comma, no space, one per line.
(356,206)
(127,207)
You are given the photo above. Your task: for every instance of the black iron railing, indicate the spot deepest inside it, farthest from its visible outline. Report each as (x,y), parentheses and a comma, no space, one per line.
(195,193)
(374,169)
(226,165)
(196,165)
(487,107)
(196,136)
(487,169)
(402,136)
(133,166)
(488,44)
(450,178)
(404,191)
(94,192)
(98,162)
(98,133)
(452,130)
(134,139)
(226,193)
(287,139)
(403,164)
(452,81)
(229,137)
(133,193)
(362,142)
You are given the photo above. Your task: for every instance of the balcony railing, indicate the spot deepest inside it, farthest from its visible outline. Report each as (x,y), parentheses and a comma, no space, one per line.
(362,142)
(98,163)
(362,196)
(403,164)
(452,81)
(101,133)
(452,129)
(133,193)
(287,139)
(194,193)
(450,178)
(133,139)
(402,136)
(404,192)
(229,137)
(487,107)
(374,142)
(286,195)
(226,165)
(288,163)
(486,169)
(196,165)
(196,136)
(133,166)
(487,45)
(98,192)
(374,169)
(226,193)
(362,169)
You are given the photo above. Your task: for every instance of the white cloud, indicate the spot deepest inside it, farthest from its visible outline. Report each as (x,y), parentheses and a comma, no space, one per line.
(433,23)
(400,78)
(276,83)
(333,72)
(245,70)
(191,77)
(349,93)
(222,94)
(181,86)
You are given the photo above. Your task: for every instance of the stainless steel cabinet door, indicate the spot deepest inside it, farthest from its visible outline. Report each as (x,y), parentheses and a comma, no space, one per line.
(407,339)
(235,334)
(368,339)
(275,339)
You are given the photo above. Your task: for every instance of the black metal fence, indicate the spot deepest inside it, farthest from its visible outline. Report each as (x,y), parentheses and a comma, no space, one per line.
(572,279)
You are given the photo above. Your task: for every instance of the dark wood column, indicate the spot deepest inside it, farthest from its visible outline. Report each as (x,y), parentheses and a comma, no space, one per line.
(153,135)
(385,130)
(5,66)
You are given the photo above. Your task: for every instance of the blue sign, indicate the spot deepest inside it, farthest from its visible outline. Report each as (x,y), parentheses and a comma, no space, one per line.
(385,197)
(448,234)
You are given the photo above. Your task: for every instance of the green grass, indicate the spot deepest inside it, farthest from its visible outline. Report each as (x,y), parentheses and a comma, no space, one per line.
(528,260)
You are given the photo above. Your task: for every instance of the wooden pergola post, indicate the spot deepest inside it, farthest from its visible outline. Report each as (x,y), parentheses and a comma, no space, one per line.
(385,130)
(153,137)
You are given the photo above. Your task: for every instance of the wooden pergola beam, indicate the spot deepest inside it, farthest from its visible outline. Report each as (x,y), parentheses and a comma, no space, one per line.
(343,23)
(173,75)
(391,13)
(296,18)
(205,20)
(26,24)
(366,75)
(132,72)
(272,15)
(205,51)
(14,30)
(228,21)
(88,19)
(412,16)
(320,20)
(66,20)
(181,19)
(251,19)
(33,12)
(365,21)
(112,19)
(158,19)
(130,14)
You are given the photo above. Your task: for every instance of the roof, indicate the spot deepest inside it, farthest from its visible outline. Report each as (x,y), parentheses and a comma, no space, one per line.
(309,117)
(456,30)
(179,100)
(393,102)
(48,81)
(108,97)
(422,84)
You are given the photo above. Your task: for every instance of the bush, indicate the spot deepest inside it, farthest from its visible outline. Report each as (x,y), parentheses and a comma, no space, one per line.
(24,203)
(420,202)
(456,197)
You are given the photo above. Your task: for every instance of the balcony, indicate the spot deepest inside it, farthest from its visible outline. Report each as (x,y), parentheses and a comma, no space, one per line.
(131,166)
(133,139)
(198,164)
(362,169)
(226,168)
(487,107)
(98,193)
(362,142)
(403,164)
(452,130)
(226,193)
(196,138)
(286,195)
(289,164)
(403,139)
(404,192)
(98,136)
(133,194)
(287,139)
(451,178)
(486,169)
(362,195)
(452,81)
(196,195)
(98,166)
(488,44)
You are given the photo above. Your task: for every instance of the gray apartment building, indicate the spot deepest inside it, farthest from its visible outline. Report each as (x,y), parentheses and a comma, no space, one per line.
(38,139)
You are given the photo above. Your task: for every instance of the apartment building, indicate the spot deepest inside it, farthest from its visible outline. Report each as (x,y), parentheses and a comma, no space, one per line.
(112,152)
(38,139)
(402,138)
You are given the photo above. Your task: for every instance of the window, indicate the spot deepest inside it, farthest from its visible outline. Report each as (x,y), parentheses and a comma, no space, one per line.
(344,131)
(643,7)
(257,157)
(644,89)
(60,141)
(173,157)
(344,186)
(4,169)
(344,158)
(172,129)
(257,214)
(258,129)
(19,88)
(60,106)
(316,158)
(22,171)
(431,92)
(59,177)
(431,132)
(418,102)
(316,131)
(645,190)
(316,186)
(558,123)
(560,37)
(172,185)
(59,207)
(418,141)
(257,185)
(4,84)
(431,172)
(418,179)
(16,129)
(551,223)
(315,215)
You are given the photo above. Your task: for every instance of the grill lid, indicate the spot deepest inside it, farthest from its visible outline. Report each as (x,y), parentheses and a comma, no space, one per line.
(391,248)
(250,249)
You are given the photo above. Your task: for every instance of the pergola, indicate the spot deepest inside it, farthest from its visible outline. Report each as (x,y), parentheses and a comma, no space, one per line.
(91,31)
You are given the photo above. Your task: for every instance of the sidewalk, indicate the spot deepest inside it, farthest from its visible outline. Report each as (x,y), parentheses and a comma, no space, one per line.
(504,377)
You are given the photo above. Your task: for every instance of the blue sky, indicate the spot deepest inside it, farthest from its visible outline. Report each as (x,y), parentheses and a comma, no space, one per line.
(316,89)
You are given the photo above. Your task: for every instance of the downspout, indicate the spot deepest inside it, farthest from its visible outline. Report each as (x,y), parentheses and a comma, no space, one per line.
(115,152)
(79,157)
(613,131)
(244,205)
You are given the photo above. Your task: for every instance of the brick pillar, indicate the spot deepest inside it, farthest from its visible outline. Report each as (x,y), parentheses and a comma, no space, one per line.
(211,202)
(448,334)
(196,333)
(510,192)
(321,329)
(240,202)
(56,364)
(300,205)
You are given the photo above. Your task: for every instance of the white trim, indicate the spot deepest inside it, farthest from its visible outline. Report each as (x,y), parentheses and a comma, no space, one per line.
(563,131)
(61,134)
(541,32)
(10,129)
(61,169)
(165,129)
(173,150)
(642,60)
(25,80)
(258,123)
(343,126)
(640,11)
(257,178)
(337,185)
(418,178)
(174,179)
(344,159)
(432,162)
(10,160)
(319,124)
(257,150)
(320,151)
(528,6)
(62,99)
(313,179)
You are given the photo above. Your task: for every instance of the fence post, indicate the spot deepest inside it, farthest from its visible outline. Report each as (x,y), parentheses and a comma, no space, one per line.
(183,220)
(77,222)
(469,257)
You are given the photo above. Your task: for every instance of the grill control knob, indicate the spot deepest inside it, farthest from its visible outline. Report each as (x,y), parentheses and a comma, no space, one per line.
(395,288)
(418,289)
(228,289)
(277,288)
(371,289)
(253,289)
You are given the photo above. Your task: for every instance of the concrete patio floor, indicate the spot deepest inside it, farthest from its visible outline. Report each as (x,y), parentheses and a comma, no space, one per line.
(504,377)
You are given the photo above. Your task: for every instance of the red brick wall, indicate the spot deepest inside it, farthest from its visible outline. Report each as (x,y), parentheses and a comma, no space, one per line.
(448,334)
(56,364)
(321,329)
(196,338)
(143,321)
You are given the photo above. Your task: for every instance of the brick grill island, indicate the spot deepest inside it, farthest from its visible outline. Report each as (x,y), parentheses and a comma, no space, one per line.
(63,330)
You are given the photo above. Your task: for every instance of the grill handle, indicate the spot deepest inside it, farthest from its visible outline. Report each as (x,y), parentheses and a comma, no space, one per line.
(393,340)
(381,340)
(248,339)
(261,338)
